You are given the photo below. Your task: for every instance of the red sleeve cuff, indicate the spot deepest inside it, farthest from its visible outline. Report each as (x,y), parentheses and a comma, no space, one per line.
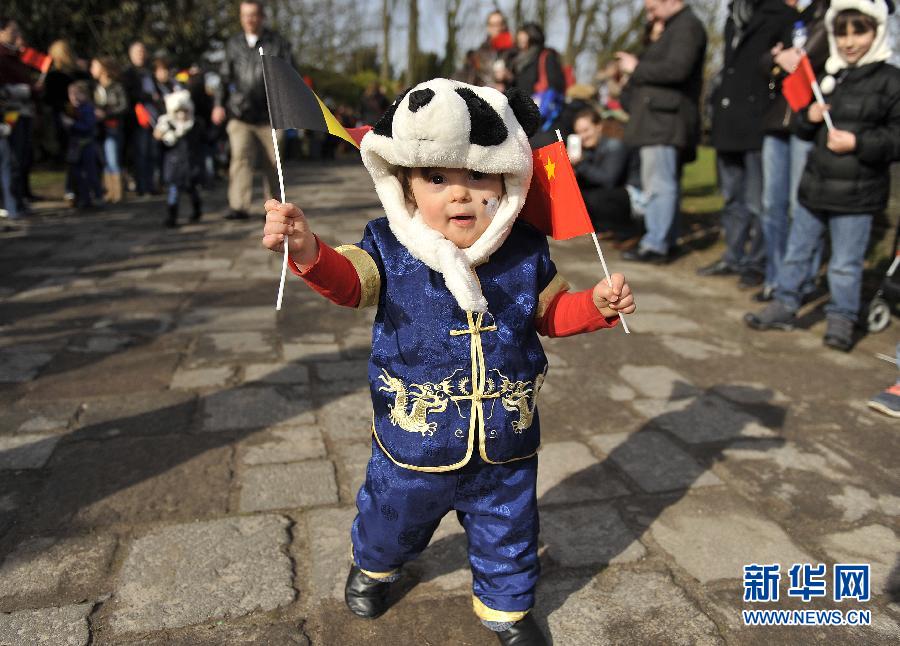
(331,275)
(570,314)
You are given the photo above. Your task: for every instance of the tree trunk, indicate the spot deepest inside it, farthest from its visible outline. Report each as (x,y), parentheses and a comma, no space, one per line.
(517,16)
(412,47)
(386,40)
(448,67)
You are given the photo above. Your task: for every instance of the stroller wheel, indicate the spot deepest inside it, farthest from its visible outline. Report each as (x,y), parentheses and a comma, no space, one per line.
(879,315)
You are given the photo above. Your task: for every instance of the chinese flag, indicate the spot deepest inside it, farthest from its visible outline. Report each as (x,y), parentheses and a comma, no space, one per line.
(554,204)
(797,87)
(37,60)
(143,116)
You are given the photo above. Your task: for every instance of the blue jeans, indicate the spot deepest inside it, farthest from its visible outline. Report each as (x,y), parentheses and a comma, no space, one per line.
(660,175)
(6,180)
(849,237)
(740,180)
(143,149)
(111,149)
(784,159)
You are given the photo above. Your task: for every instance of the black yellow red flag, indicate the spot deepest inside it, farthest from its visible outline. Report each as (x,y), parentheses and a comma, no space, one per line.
(292,104)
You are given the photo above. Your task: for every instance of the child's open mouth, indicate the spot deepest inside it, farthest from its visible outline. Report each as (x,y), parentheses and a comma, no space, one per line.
(463,220)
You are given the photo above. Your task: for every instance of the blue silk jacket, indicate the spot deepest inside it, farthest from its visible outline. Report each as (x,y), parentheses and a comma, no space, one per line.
(446,382)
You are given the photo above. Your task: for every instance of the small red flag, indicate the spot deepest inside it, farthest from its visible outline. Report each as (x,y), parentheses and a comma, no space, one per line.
(143,115)
(37,60)
(554,204)
(502,41)
(797,86)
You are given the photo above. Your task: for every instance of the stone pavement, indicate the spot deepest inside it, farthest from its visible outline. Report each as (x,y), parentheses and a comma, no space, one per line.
(178,462)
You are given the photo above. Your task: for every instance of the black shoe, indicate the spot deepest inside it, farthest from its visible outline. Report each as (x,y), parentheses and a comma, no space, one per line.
(750,279)
(366,597)
(523,633)
(765,295)
(775,316)
(718,268)
(197,212)
(237,215)
(839,334)
(172,218)
(646,256)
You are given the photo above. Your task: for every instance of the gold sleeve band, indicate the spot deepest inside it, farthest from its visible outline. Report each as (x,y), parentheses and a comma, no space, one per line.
(367,270)
(557,285)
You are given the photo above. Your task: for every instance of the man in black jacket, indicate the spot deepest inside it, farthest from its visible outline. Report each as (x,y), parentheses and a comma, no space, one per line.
(242,94)
(740,103)
(662,98)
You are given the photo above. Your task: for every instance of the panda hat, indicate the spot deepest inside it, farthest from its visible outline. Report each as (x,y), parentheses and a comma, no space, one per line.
(880,49)
(448,124)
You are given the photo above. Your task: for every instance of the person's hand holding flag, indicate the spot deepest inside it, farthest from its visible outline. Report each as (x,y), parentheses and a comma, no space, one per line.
(555,207)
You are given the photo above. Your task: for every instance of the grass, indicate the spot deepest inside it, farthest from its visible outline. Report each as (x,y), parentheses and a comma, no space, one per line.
(700,193)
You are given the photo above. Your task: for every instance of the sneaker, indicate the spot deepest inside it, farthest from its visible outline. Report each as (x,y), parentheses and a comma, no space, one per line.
(839,334)
(775,316)
(645,256)
(765,295)
(718,268)
(750,279)
(887,402)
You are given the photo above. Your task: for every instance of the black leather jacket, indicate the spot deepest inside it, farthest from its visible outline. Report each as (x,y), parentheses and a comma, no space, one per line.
(242,91)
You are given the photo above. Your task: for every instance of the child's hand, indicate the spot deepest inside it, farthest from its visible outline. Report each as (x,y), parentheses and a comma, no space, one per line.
(841,141)
(287,221)
(615,299)
(816,112)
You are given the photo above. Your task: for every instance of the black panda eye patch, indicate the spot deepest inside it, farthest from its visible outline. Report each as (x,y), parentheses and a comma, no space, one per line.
(385,125)
(419,99)
(488,128)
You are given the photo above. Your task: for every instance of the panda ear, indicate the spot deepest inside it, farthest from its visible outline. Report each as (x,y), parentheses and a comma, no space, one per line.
(526,111)
(385,125)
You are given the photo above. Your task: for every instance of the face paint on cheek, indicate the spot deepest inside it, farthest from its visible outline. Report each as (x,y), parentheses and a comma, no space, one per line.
(491,205)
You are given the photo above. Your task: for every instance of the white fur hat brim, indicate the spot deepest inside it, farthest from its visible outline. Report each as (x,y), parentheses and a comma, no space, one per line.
(878,52)
(439,134)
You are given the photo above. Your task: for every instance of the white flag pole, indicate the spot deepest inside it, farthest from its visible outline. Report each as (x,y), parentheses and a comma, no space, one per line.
(820,99)
(602,260)
(284,261)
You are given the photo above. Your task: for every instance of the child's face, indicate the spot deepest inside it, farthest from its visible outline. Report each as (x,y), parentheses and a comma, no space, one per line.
(853,45)
(182,115)
(457,202)
(76,97)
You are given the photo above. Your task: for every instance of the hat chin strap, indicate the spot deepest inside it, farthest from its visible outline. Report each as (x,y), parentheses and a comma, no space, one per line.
(432,248)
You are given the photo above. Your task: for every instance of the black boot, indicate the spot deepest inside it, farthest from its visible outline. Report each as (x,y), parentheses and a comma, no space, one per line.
(524,632)
(198,206)
(172,219)
(366,597)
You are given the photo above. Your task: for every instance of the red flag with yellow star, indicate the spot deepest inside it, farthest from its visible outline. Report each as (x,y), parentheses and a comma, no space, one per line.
(554,204)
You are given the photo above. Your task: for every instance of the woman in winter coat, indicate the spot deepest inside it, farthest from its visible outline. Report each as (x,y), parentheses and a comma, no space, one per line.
(111,106)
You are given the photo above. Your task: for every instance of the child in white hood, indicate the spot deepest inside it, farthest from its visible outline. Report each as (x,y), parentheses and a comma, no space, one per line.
(462,291)
(846,180)
(184,153)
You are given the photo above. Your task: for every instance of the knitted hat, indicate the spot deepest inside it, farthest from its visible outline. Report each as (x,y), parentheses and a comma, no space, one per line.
(880,49)
(444,123)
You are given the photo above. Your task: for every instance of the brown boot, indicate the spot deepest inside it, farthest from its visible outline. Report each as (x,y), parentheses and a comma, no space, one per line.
(114,188)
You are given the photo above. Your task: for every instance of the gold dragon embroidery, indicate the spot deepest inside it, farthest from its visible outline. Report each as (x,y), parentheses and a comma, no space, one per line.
(426,398)
(517,396)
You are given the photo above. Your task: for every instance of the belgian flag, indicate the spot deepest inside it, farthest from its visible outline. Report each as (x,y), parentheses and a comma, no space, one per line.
(292,104)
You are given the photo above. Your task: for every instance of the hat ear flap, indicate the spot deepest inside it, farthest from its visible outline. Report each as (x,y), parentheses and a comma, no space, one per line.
(527,113)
